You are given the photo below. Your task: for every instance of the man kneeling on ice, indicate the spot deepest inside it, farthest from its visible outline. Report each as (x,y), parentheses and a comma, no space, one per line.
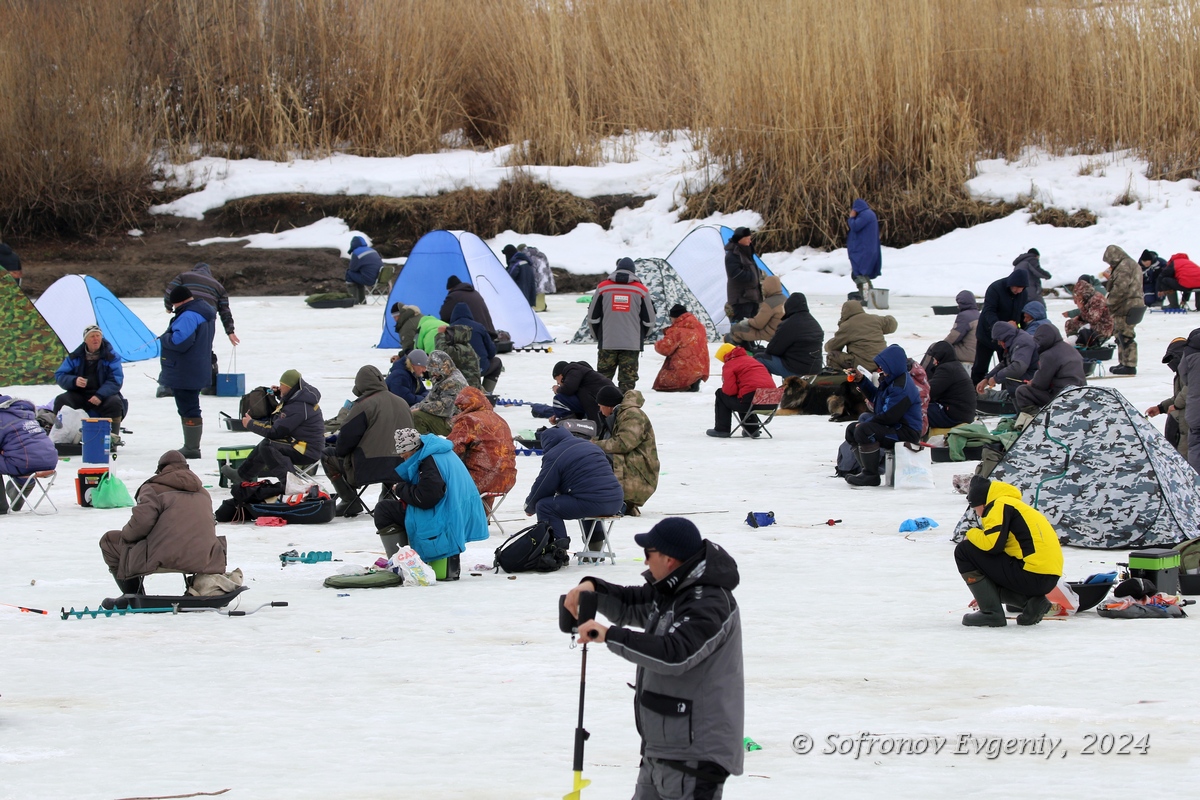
(690,692)
(1015,559)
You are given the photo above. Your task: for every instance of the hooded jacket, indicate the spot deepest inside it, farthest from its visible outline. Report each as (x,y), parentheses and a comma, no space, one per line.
(1020,357)
(1186,271)
(9,260)
(621,313)
(171,527)
(408,320)
(575,467)
(465,293)
(404,384)
(1031,262)
(797,340)
(298,421)
(541,270)
(743,280)
(447,383)
(1001,305)
(689,695)
(1177,427)
(685,345)
(186,358)
(962,336)
(24,446)
(897,401)
(742,376)
(633,449)
(1189,373)
(1124,283)
(1059,364)
(762,326)
(441,527)
(950,385)
(1093,311)
(484,442)
(203,286)
(427,331)
(367,439)
(1011,527)
(1037,312)
(582,382)
(521,269)
(481,340)
(365,263)
(860,334)
(455,342)
(107,380)
(862,242)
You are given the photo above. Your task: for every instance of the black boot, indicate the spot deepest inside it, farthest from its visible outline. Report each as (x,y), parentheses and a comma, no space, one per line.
(3,495)
(131,586)
(1035,608)
(348,504)
(868,459)
(987,595)
(453,568)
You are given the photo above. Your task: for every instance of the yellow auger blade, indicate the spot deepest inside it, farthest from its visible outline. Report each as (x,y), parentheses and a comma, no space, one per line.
(580,784)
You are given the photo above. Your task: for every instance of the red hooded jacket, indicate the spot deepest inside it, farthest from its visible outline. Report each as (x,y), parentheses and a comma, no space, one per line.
(742,374)
(1187,272)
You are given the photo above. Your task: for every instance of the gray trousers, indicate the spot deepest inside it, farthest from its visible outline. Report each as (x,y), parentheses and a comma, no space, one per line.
(659,781)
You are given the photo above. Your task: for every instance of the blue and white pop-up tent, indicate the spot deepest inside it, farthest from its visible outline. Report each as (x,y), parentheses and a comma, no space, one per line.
(74,302)
(440,254)
(700,260)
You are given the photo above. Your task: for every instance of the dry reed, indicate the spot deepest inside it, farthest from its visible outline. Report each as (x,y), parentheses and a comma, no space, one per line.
(803,104)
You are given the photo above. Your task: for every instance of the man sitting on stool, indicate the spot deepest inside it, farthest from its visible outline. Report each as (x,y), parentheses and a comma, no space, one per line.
(897,416)
(294,435)
(91,378)
(1013,559)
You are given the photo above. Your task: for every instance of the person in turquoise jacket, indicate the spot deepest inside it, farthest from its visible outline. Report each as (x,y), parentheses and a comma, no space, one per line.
(437,510)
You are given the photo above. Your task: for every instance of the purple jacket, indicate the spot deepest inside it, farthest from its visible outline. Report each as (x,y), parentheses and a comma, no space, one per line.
(24,446)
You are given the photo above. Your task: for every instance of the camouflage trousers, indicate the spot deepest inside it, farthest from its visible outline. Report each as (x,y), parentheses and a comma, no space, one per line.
(1127,355)
(607,362)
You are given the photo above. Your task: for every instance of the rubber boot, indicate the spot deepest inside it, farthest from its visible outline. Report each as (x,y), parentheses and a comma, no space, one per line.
(193,429)
(868,459)
(453,568)
(489,385)
(987,595)
(1012,601)
(131,586)
(348,504)
(115,439)
(1035,609)
(3,496)
(393,537)
(1172,299)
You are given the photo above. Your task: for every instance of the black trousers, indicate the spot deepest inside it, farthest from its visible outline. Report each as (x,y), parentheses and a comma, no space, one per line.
(272,459)
(871,432)
(984,350)
(726,404)
(1003,570)
(109,406)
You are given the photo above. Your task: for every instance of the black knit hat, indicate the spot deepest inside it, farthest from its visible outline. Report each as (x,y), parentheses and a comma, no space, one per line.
(1148,255)
(395,308)
(977,492)
(508,250)
(179,294)
(609,396)
(453,281)
(742,233)
(676,537)
(677,311)
(559,369)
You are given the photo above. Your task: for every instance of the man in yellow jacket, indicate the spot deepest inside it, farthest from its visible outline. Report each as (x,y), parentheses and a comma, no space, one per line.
(1014,559)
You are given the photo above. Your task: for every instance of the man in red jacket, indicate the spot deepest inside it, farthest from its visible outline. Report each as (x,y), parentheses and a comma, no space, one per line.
(1180,274)
(741,376)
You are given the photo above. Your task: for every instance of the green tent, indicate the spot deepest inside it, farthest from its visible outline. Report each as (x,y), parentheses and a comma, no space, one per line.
(29,349)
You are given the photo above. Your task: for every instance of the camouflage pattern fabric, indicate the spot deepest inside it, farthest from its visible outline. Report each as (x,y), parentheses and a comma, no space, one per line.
(1124,485)
(607,362)
(666,289)
(30,351)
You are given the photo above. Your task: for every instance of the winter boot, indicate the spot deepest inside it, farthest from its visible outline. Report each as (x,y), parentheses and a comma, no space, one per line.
(453,569)
(3,496)
(230,474)
(868,459)
(987,595)
(1172,299)
(1023,419)
(393,537)
(489,385)
(193,429)
(131,586)
(1035,608)
(348,504)
(115,439)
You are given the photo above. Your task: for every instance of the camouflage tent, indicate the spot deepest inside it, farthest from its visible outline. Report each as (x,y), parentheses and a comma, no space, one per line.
(666,289)
(29,349)
(1102,474)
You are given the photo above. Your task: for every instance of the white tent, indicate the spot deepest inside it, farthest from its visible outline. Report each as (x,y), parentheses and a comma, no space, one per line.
(700,260)
(74,302)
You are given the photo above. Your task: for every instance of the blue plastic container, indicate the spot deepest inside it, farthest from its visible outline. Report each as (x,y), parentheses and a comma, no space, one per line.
(97,440)
(231,384)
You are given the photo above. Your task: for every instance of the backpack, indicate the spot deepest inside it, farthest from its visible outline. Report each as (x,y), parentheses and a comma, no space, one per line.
(260,403)
(533,549)
(1189,555)
(846,464)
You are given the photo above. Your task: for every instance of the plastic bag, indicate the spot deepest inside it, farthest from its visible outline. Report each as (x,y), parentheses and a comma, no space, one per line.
(913,469)
(111,493)
(407,564)
(68,426)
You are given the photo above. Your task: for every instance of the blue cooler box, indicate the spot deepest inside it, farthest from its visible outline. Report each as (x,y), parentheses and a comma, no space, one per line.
(231,384)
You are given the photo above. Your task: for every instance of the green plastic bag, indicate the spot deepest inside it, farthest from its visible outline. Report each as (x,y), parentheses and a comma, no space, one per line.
(111,493)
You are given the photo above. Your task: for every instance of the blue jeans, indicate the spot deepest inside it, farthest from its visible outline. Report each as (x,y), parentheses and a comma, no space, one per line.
(774,365)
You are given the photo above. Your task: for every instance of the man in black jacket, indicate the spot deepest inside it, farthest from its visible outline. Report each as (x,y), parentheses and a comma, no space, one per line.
(294,435)
(459,291)
(1004,302)
(795,349)
(952,398)
(690,688)
(576,385)
(743,281)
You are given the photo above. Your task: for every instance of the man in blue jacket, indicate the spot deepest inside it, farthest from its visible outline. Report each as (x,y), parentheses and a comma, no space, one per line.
(187,362)
(862,245)
(363,271)
(91,378)
(406,377)
(897,416)
(576,481)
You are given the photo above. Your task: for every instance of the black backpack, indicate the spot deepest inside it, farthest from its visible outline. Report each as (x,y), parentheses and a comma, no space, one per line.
(533,549)
(260,403)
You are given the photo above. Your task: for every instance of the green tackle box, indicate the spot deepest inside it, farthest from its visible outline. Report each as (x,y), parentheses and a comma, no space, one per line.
(233,456)
(1159,564)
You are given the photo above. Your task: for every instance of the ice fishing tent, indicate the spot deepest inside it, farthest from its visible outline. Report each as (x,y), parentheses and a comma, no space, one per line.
(440,254)
(700,260)
(1102,474)
(29,349)
(75,301)
(666,289)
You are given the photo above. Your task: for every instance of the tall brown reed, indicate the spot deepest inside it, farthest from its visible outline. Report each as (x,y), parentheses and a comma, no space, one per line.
(803,104)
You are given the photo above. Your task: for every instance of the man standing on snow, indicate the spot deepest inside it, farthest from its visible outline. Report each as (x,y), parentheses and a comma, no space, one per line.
(1003,302)
(862,245)
(690,686)
(620,317)
(743,280)
(1126,304)
(200,282)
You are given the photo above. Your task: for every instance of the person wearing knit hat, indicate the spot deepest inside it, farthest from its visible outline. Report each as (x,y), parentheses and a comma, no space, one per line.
(689,650)
(203,285)
(1004,301)
(684,344)
(678,310)
(407,441)
(743,278)
(1012,557)
(628,439)
(609,397)
(576,387)
(289,379)
(620,317)
(186,359)
(406,378)
(293,435)
(91,378)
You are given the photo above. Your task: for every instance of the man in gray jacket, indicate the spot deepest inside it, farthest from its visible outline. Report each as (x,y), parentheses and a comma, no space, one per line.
(1060,366)
(621,316)
(1018,362)
(690,688)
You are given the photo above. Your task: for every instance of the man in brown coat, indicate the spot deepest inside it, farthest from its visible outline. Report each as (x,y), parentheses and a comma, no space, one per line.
(861,336)
(761,327)
(171,529)
(1126,304)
